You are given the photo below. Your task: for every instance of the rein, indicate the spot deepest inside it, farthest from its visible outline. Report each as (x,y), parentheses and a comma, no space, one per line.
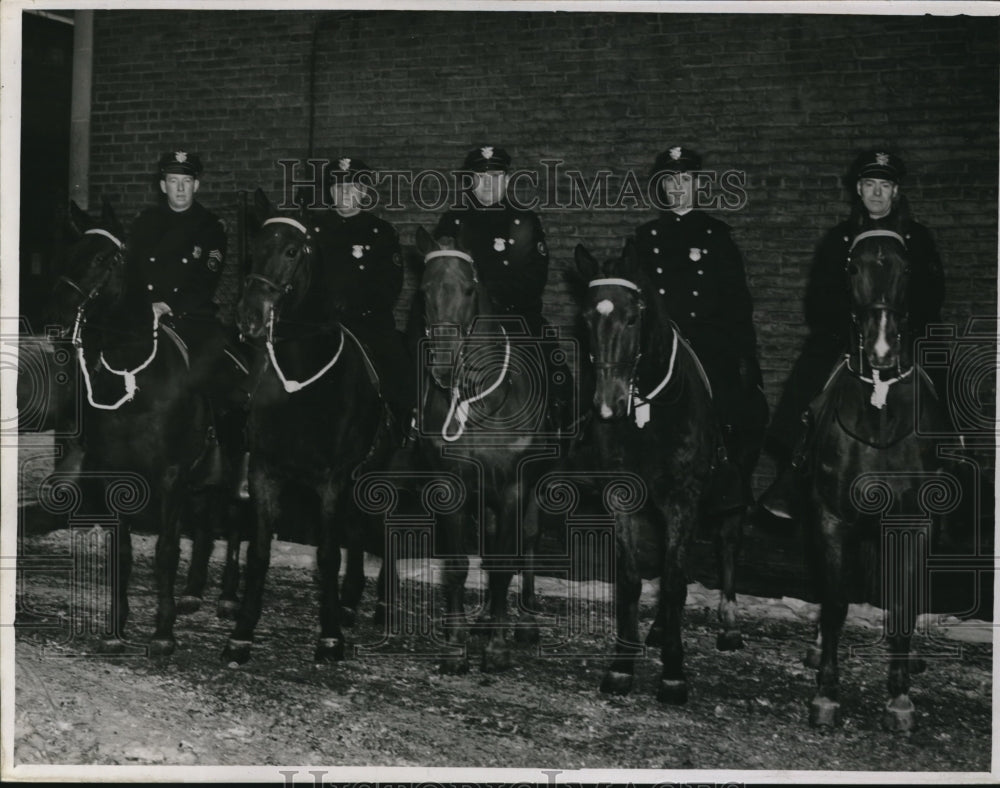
(881,387)
(459,409)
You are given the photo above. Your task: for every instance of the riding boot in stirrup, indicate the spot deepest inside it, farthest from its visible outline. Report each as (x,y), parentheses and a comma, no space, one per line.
(778,500)
(243,479)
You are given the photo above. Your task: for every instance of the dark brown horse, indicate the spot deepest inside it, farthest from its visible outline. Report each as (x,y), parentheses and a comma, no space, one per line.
(144,424)
(873,483)
(316,418)
(482,405)
(654,419)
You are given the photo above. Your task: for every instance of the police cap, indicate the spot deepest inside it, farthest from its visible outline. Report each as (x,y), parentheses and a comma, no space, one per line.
(487,158)
(679,158)
(180,162)
(879,164)
(347,170)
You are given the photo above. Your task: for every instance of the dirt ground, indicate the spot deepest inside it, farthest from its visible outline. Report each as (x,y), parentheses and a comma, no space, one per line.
(747,711)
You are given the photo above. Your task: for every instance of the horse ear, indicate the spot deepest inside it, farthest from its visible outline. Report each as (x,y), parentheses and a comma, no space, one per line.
(108,219)
(586,265)
(262,208)
(425,243)
(78,218)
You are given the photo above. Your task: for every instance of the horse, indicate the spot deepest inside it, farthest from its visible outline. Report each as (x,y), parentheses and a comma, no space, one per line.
(481,414)
(653,417)
(144,426)
(316,420)
(865,461)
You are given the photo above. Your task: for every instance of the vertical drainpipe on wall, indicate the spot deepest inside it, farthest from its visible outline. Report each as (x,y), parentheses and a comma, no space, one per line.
(79,131)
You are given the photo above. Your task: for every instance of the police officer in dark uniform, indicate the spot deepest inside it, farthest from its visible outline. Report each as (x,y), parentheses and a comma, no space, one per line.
(363,263)
(508,244)
(175,254)
(698,270)
(877,204)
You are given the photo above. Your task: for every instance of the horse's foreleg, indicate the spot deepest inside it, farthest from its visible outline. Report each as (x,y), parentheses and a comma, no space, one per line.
(354,585)
(235,514)
(265,493)
(496,654)
(113,642)
(727,545)
(456,570)
(526,630)
(825,707)
(388,592)
(904,597)
(165,562)
(628,587)
(673,594)
(331,646)
(203,510)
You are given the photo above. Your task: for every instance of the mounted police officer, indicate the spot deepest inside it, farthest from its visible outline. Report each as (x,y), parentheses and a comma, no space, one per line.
(363,262)
(877,204)
(176,252)
(692,260)
(512,258)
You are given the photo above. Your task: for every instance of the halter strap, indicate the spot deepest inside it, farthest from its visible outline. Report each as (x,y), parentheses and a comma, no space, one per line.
(106,234)
(286,220)
(877,234)
(615,281)
(449,253)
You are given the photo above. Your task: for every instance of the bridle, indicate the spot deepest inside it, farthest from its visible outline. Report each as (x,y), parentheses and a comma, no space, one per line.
(635,400)
(113,261)
(881,386)
(458,410)
(282,289)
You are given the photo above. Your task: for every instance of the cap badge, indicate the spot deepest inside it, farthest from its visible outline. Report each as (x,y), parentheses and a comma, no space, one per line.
(180,157)
(487,152)
(196,253)
(694,254)
(344,164)
(357,251)
(499,244)
(675,152)
(882,159)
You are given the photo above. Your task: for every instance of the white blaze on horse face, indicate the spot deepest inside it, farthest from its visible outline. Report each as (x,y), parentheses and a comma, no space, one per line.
(881,343)
(606,411)
(605,307)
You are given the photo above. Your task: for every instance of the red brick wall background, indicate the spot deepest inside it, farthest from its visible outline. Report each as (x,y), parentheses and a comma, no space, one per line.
(789,99)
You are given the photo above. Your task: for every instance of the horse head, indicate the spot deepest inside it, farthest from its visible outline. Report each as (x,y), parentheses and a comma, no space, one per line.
(453,297)
(878,274)
(282,251)
(614,306)
(94,267)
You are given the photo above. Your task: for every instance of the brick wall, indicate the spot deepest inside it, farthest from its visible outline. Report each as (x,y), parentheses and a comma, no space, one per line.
(788,99)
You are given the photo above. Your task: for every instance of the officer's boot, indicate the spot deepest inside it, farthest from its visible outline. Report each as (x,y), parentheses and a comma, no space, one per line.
(243,478)
(209,469)
(727,491)
(778,500)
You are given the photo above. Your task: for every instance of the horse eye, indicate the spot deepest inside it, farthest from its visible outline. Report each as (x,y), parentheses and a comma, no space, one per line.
(291,251)
(631,320)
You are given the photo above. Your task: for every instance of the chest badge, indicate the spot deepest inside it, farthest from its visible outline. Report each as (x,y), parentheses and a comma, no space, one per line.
(357,251)
(196,253)
(694,253)
(499,244)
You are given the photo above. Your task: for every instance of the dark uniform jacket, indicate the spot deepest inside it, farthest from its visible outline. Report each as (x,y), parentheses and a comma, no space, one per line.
(508,245)
(363,263)
(698,271)
(177,258)
(828,301)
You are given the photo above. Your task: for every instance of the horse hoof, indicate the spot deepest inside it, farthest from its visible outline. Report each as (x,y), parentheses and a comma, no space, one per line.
(729,641)
(495,659)
(655,636)
(187,605)
(812,658)
(454,666)
(615,683)
(162,647)
(227,609)
(824,713)
(899,715)
(348,616)
(112,646)
(236,653)
(917,665)
(329,650)
(673,692)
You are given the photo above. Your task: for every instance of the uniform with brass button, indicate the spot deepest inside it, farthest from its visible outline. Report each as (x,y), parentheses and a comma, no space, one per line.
(698,271)
(362,260)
